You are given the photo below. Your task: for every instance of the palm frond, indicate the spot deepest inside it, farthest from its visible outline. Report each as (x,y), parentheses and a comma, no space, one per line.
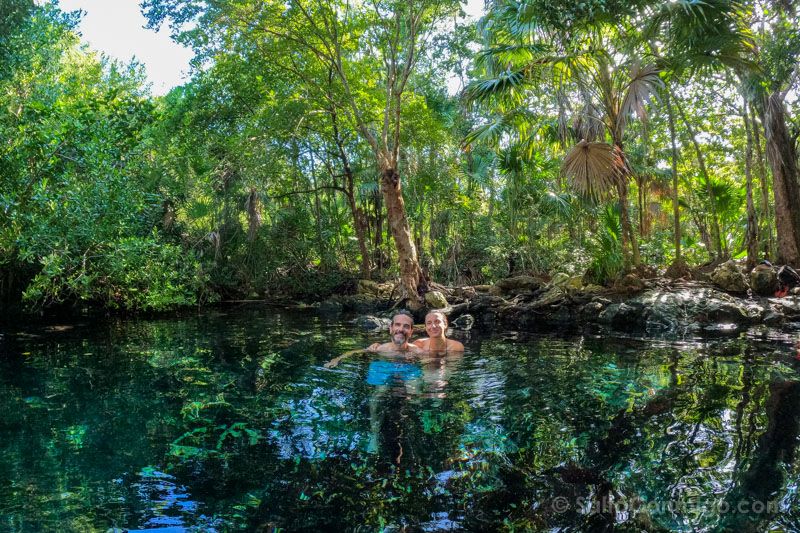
(593,169)
(588,123)
(644,82)
(502,84)
(558,204)
(512,54)
(488,133)
(369,189)
(510,161)
(703,34)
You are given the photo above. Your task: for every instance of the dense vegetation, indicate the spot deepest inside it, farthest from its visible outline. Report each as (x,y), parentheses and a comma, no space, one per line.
(318,142)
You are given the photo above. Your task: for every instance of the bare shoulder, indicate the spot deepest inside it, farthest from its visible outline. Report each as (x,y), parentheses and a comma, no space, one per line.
(386,347)
(421,343)
(454,346)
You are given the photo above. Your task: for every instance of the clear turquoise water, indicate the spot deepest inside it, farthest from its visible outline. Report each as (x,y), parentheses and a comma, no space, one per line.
(228,422)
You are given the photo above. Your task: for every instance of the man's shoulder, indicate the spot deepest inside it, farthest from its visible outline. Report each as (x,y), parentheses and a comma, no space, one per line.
(387,347)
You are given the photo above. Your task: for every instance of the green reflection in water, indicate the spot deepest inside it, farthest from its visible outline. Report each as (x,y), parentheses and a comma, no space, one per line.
(229,422)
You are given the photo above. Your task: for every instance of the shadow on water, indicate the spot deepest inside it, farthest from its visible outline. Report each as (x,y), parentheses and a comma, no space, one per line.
(228,421)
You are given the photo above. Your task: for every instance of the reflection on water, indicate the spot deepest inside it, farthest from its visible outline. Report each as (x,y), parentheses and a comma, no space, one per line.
(230,422)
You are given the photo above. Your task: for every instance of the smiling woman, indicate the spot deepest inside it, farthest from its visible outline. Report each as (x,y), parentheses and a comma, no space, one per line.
(436,327)
(117,30)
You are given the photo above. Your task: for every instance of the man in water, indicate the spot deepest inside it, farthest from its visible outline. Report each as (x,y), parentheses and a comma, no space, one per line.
(436,327)
(400,330)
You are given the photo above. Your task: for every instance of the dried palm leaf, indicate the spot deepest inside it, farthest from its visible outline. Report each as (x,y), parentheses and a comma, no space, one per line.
(593,169)
(644,82)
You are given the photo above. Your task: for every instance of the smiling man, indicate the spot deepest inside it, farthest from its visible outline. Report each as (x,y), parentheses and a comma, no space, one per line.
(401,329)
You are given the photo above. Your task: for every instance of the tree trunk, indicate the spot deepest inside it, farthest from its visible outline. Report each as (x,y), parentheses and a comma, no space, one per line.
(640,204)
(359,219)
(766,208)
(751,236)
(676,210)
(410,273)
(630,247)
(783,160)
(712,199)
(703,229)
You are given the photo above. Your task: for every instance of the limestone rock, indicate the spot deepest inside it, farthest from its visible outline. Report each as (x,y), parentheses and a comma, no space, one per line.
(366,286)
(435,299)
(574,284)
(787,306)
(591,288)
(592,310)
(464,293)
(464,322)
(677,270)
(372,323)
(686,310)
(729,278)
(624,316)
(773,318)
(518,284)
(371,288)
(764,280)
(551,296)
(630,284)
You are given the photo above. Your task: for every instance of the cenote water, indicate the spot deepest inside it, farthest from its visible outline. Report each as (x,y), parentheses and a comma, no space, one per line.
(228,421)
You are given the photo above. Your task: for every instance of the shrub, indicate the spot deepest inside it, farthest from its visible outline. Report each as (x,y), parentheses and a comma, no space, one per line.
(132,273)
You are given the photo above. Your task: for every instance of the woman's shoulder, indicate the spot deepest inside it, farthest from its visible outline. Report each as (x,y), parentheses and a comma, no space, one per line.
(454,345)
(422,343)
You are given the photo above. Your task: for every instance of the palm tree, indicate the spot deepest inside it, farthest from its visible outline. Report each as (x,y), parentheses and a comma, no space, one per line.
(611,92)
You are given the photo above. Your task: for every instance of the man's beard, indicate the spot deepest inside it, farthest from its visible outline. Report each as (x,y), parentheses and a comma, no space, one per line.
(403,338)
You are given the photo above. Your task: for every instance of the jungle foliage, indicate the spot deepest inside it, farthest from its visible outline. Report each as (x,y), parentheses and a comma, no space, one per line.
(593,138)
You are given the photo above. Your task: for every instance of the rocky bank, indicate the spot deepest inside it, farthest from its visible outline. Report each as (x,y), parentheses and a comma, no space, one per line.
(727,301)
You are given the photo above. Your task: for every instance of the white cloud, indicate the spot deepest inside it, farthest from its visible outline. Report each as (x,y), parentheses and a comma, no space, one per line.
(116,28)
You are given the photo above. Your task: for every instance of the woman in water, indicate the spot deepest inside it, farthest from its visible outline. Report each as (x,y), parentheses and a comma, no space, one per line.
(435,327)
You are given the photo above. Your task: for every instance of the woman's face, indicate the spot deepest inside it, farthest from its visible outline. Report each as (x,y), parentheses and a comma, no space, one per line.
(435,325)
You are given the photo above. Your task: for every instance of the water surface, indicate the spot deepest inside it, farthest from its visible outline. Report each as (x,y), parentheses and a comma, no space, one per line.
(228,421)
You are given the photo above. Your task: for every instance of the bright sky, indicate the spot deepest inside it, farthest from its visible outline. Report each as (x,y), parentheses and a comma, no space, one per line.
(116,28)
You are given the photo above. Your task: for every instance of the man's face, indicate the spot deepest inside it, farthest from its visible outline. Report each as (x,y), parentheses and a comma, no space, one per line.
(401,329)
(435,325)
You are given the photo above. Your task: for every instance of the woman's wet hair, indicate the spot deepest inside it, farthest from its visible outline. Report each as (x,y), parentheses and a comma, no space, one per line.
(437,312)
